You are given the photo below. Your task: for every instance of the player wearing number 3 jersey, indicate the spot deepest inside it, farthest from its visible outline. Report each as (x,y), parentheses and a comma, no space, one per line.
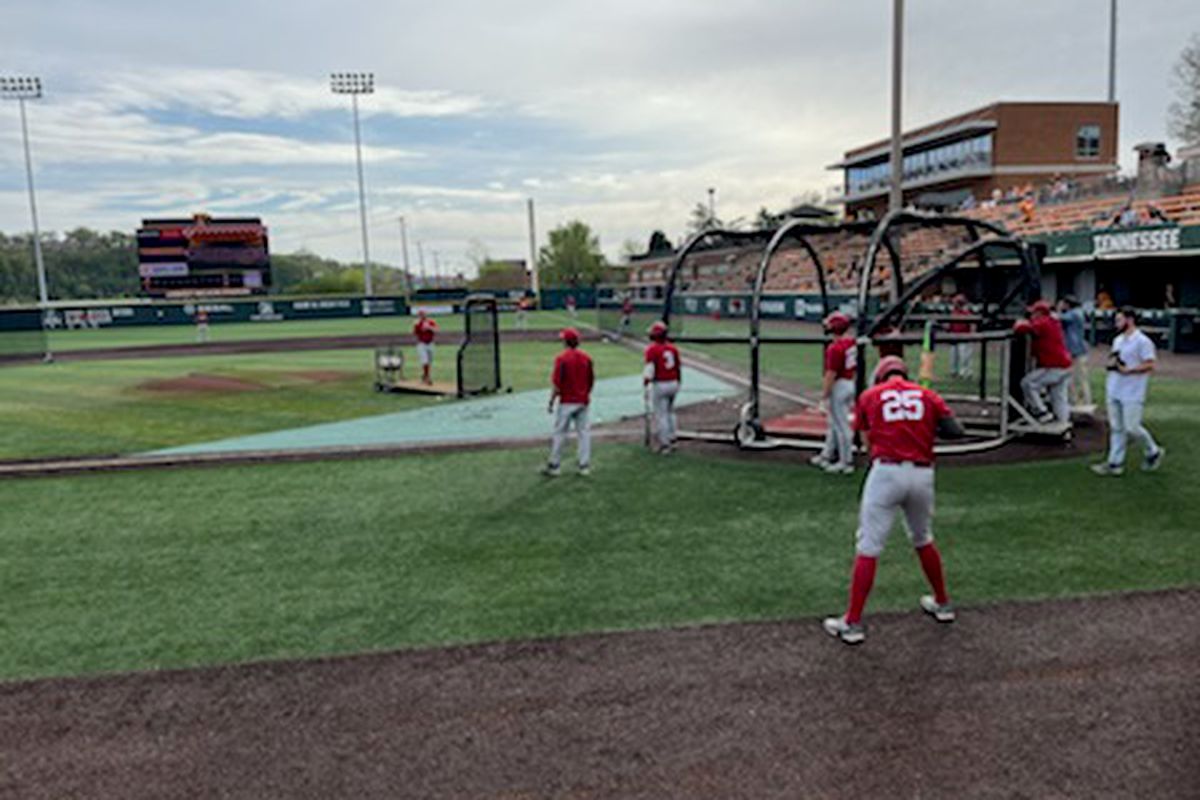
(899,422)
(662,375)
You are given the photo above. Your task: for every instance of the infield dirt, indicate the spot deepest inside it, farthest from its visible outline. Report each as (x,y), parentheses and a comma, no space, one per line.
(1096,698)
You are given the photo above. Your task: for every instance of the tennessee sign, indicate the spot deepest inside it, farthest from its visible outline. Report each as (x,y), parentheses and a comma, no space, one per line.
(1150,241)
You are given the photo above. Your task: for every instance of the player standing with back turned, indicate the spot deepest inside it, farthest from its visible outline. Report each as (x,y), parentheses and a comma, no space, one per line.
(662,375)
(899,421)
(571,383)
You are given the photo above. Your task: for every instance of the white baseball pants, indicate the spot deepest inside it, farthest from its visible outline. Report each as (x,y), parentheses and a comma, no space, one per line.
(839,440)
(890,488)
(1056,382)
(1124,420)
(662,401)
(566,414)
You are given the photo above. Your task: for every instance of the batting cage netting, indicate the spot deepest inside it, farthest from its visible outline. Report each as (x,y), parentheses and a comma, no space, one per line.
(479,353)
(22,337)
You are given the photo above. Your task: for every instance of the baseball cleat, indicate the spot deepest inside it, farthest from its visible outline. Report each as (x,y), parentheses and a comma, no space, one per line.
(1046,418)
(1155,461)
(840,469)
(819,461)
(848,633)
(549,471)
(585,471)
(942,612)
(1108,470)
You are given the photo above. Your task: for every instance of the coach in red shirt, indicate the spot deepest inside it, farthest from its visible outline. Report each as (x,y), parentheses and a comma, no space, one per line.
(899,421)
(1052,371)
(571,387)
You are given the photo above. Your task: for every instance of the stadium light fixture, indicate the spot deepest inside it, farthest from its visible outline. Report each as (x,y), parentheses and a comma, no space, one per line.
(22,88)
(354,84)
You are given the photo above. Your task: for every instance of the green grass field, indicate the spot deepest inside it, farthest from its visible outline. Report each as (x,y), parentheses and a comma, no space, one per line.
(185,567)
(154,569)
(103,407)
(62,341)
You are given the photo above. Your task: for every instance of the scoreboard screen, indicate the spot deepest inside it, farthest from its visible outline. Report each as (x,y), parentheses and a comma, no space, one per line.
(203,256)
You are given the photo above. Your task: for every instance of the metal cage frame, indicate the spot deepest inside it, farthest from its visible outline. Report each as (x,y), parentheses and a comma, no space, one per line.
(986,239)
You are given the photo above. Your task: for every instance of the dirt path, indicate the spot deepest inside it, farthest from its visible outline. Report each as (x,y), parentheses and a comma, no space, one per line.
(269,346)
(1096,698)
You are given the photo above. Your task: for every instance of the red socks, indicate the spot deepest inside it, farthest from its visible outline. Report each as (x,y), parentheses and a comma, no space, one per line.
(863,578)
(931,563)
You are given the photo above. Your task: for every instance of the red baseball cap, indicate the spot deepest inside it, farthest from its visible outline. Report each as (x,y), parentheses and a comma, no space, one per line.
(569,335)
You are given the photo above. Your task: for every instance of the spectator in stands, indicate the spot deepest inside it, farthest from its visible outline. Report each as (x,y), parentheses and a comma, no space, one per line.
(1152,215)
(1169,296)
(1104,300)
(1028,207)
(1127,217)
(1073,325)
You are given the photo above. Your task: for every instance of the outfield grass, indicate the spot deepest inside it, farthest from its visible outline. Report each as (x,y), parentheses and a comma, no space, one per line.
(101,407)
(90,339)
(187,567)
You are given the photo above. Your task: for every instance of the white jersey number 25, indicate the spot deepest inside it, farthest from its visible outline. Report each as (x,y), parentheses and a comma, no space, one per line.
(902,405)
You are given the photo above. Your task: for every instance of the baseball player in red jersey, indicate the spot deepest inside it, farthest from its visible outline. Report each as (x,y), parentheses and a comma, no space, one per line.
(662,375)
(1052,373)
(626,315)
(899,421)
(837,394)
(425,330)
(961,352)
(201,324)
(571,385)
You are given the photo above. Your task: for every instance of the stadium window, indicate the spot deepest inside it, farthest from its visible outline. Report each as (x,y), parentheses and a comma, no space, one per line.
(1087,142)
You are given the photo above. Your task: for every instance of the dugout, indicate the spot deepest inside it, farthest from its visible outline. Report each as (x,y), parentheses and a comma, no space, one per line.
(900,268)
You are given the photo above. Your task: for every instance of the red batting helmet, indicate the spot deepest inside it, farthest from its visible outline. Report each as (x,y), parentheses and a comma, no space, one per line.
(837,322)
(569,335)
(657,331)
(888,366)
(1040,307)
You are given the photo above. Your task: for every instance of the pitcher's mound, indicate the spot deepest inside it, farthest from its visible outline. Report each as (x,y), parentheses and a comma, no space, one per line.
(200,382)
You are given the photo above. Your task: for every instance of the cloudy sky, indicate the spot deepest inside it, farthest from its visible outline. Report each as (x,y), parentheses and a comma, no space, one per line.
(619,113)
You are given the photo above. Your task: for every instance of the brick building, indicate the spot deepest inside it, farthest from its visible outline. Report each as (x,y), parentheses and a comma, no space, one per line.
(998,147)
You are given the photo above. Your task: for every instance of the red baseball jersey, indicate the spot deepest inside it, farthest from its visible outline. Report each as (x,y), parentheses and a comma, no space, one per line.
(573,376)
(960,326)
(1049,346)
(841,358)
(900,419)
(424,330)
(627,307)
(665,358)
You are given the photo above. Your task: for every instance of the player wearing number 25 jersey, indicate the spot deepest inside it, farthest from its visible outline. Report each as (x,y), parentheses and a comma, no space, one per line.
(661,374)
(899,421)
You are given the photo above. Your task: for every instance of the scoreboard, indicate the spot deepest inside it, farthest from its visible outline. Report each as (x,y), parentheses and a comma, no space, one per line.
(203,255)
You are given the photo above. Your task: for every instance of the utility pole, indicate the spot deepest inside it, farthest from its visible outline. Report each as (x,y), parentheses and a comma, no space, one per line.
(534,278)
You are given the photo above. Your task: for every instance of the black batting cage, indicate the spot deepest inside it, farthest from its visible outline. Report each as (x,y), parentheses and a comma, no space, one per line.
(889,277)
(478,361)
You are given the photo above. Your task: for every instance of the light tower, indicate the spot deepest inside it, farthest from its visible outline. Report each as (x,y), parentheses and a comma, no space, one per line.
(354,84)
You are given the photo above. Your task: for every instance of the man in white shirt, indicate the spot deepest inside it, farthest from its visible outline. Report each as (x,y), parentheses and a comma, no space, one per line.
(1130,363)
